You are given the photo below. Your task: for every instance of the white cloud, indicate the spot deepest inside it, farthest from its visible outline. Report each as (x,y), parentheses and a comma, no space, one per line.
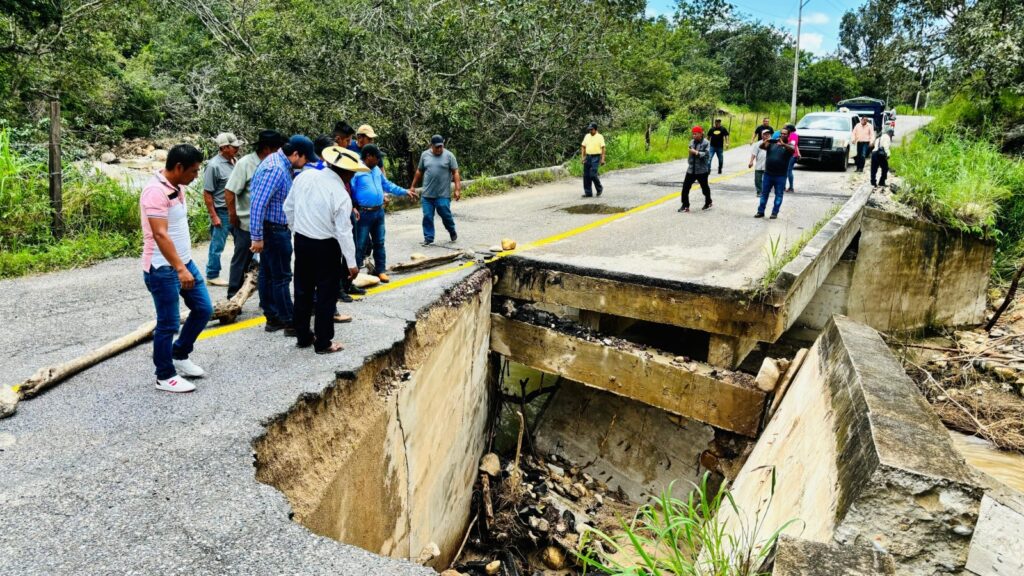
(811,42)
(812,19)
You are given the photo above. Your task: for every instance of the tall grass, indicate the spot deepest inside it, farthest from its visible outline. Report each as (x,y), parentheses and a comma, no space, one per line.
(674,537)
(776,258)
(101,217)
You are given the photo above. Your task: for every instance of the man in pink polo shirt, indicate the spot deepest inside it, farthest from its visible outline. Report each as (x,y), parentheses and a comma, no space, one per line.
(168,269)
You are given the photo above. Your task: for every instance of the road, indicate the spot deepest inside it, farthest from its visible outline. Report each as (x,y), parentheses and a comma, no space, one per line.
(104,475)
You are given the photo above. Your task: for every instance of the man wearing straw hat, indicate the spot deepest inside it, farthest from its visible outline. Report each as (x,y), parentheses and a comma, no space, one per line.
(319,212)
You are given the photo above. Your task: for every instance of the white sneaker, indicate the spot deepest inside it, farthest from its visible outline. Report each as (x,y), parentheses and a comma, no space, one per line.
(175,384)
(217,282)
(188,368)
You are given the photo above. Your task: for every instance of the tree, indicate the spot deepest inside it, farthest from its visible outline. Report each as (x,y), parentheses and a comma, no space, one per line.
(751,56)
(827,81)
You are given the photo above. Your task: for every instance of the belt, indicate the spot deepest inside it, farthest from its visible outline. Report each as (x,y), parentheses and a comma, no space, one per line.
(274,226)
(368,208)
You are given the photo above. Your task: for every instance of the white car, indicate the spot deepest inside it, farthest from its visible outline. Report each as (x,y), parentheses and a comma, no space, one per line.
(825,138)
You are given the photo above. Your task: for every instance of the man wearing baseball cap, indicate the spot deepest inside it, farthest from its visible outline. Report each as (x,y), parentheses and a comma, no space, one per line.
(268,228)
(437,168)
(697,170)
(592,151)
(318,210)
(215,179)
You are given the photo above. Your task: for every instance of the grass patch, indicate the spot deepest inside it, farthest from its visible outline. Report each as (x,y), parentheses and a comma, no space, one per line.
(101,217)
(683,537)
(778,258)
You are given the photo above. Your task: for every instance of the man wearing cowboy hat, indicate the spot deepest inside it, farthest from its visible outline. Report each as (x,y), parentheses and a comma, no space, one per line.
(319,211)
(215,179)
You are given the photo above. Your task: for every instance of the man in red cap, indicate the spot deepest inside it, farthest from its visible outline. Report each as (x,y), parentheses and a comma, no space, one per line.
(698,169)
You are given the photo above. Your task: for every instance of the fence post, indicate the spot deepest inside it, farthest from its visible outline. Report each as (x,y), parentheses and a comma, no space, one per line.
(647,139)
(56,179)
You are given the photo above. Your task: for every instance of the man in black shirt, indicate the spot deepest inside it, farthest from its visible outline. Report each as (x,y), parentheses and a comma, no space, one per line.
(776,165)
(764,127)
(718,137)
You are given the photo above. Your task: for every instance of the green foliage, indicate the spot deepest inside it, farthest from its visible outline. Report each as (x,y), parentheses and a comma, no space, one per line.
(827,80)
(673,537)
(776,258)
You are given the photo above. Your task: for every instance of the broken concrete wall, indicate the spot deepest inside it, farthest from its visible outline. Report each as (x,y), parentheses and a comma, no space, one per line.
(860,459)
(627,444)
(385,459)
(830,299)
(911,274)
(797,557)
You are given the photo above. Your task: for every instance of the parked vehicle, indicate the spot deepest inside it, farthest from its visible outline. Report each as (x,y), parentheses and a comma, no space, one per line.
(825,138)
(871,107)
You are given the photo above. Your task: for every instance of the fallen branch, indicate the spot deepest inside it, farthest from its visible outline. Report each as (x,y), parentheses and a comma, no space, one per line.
(49,376)
(227,311)
(430,262)
(1006,301)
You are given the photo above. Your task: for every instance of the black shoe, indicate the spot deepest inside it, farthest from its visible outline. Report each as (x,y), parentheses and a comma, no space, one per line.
(759,215)
(301,344)
(707,206)
(355,290)
(599,192)
(719,170)
(273,325)
(586,196)
(427,243)
(684,209)
(342,296)
(455,236)
(773,216)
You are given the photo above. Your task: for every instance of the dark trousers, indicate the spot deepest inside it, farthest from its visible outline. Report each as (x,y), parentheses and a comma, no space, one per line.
(688,183)
(317,273)
(241,259)
(591,165)
(862,154)
(879,160)
(716,151)
(276,273)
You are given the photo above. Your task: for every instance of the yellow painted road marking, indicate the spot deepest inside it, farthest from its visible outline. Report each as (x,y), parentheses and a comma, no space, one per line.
(430,275)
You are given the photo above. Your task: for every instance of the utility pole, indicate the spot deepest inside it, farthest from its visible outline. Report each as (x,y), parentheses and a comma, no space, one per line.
(56,172)
(796,59)
(928,94)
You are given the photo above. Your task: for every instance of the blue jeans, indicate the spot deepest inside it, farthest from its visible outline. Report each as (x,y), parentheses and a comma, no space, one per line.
(591,180)
(218,238)
(443,206)
(789,173)
(769,182)
(716,152)
(276,273)
(370,235)
(164,286)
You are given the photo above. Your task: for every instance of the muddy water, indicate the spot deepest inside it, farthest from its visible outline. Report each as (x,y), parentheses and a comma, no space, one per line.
(1007,467)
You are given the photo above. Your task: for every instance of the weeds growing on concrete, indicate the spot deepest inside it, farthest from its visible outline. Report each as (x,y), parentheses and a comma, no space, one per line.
(777,259)
(674,537)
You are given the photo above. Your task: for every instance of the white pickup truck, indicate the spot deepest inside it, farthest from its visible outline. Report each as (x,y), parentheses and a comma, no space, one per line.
(825,138)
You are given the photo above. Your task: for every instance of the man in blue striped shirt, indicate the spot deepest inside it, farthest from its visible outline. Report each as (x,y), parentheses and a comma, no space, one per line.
(368,190)
(268,227)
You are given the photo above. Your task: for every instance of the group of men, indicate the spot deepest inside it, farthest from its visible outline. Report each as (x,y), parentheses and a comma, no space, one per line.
(878,146)
(324,201)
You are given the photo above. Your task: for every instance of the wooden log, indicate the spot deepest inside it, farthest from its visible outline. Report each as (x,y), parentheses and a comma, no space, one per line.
(430,261)
(227,311)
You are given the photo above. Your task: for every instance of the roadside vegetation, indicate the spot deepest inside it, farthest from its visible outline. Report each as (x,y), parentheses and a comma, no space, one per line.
(776,255)
(101,217)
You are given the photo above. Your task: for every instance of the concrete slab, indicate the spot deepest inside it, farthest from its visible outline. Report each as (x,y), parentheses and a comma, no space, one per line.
(796,557)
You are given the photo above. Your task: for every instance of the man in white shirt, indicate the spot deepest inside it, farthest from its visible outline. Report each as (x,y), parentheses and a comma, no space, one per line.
(757,157)
(319,210)
(880,157)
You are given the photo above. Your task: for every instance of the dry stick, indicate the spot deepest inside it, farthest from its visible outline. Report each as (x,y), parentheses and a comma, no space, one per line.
(485,486)
(931,379)
(464,540)
(1006,301)
(519,447)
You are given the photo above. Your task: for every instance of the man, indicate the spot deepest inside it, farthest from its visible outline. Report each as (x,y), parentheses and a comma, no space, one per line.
(719,141)
(776,163)
(236,196)
(592,151)
(364,136)
(764,127)
(368,189)
(438,167)
(862,135)
(268,227)
(169,272)
(343,133)
(757,158)
(215,179)
(319,211)
(880,157)
(697,170)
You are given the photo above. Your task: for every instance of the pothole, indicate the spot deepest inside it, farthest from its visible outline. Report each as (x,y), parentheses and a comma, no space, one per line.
(593,209)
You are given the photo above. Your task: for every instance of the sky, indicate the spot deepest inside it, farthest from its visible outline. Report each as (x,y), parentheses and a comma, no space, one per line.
(820,30)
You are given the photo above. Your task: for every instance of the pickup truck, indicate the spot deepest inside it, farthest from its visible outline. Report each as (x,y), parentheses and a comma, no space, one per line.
(825,138)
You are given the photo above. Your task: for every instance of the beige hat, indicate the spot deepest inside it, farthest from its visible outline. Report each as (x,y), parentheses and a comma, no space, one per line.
(366,130)
(227,139)
(344,158)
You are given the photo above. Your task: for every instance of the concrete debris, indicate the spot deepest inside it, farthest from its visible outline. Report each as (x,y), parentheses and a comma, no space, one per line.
(429,552)
(8,401)
(493,567)
(769,374)
(490,464)
(508,244)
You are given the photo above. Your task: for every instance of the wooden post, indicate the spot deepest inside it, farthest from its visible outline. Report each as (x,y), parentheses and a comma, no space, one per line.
(647,139)
(56,181)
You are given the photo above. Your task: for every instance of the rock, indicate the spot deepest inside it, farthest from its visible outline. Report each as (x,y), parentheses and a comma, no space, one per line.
(159,155)
(365,281)
(149,148)
(963,530)
(451,573)
(556,471)
(599,498)
(417,256)
(493,567)
(553,558)
(494,249)
(8,401)
(768,375)
(508,244)
(578,490)
(490,464)
(108,158)
(429,552)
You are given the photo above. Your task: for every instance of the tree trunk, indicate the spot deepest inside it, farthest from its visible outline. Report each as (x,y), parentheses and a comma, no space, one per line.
(227,311)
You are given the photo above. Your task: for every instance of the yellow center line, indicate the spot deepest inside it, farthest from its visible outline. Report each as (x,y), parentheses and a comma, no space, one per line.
(430,275)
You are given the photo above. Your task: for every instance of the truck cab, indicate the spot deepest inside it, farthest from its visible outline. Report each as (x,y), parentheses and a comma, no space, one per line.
(824,138)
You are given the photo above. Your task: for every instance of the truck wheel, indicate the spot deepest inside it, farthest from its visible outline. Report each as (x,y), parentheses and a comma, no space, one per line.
(844,161)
